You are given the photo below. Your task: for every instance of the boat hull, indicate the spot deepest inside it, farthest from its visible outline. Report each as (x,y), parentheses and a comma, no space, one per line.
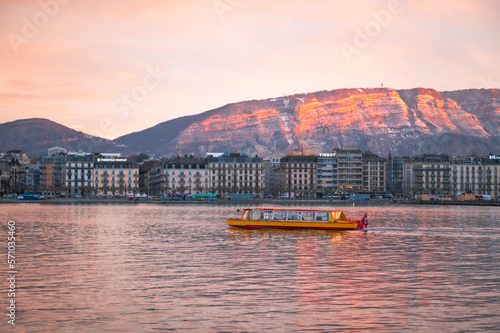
(247,224)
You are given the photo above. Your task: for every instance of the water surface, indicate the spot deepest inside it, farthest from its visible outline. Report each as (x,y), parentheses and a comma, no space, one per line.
(146,267)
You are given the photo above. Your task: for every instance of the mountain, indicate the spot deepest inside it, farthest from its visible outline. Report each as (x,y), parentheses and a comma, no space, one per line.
(383,120)
(482,103)
(34,136)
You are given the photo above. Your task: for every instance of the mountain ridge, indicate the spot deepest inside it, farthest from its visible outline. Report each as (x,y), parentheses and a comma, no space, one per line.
(419,120)
(34,136)
(382,120)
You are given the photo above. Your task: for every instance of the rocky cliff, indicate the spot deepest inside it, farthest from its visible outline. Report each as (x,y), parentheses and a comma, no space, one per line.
(403,122)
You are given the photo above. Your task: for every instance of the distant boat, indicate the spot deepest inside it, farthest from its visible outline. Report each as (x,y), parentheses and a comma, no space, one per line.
(256,218)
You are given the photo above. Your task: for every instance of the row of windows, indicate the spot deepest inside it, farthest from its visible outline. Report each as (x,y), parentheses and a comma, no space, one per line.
(105,172)
(79,165)
(248,178)
(189,180)
(189,173)
(189,166)
(236,173)
(105,178)
(236,166)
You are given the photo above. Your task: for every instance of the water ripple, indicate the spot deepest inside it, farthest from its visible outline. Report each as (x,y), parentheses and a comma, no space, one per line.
(144,268)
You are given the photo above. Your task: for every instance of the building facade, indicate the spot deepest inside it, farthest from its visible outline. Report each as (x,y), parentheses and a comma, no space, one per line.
(4,177)
(327,174)
(491,176)
(479,176)
(297,175)
(53,175)
(427,174)
(79,169)
(115,177)
(395,174)
(187,175)
(350,169)
(236,173)
(374,173)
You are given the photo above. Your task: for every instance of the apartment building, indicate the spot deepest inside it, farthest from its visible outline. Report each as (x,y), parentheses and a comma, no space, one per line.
(326,174)
(374,172)
(297,175)
(79,174)
(115,177)
(475,176)
(53,174)
(427,174)
(236,173)
(394,177)
(350,169)
(189,175)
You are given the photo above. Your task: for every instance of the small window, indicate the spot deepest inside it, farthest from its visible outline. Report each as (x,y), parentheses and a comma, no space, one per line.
(280,215)
(308,216)
(255,214)
(266,215)
(322,216)
(293,216)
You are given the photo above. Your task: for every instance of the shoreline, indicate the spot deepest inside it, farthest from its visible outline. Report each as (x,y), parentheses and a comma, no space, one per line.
(125,201)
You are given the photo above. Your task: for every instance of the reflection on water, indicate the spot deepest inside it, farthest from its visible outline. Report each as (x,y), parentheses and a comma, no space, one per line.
(141,268)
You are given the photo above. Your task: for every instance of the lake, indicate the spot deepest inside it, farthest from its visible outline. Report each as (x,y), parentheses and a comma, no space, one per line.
(163,267)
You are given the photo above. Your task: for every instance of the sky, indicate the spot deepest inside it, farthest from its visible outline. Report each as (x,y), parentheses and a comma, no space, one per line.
(109,68)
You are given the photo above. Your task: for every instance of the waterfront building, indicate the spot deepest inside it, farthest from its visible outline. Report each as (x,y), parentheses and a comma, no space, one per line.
(53,174)
(145,183)
(236,173)
(374,172)
(394,177)
(157,182)
(491,176)
(267,176)
(16,182)
(326,174)
(277,181)
(297,175)
(33,176)
(115,177)
(477,176)
(4,177)
(350,169)
(79,174)
(189,175)
(427,174)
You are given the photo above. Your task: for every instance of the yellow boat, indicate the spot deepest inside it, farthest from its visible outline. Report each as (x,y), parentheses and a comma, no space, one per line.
(255,218)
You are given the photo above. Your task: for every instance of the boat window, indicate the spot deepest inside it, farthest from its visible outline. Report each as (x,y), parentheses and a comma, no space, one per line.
(336,215)
(255,214)
(293,215)
(245,214)
(266,215)
(322,216)
(308,216)
(280,215)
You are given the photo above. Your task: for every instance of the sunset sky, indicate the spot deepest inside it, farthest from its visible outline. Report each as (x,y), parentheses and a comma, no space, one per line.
(113,67)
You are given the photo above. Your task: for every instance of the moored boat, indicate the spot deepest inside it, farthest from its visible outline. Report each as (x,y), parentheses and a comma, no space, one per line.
(255,218)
